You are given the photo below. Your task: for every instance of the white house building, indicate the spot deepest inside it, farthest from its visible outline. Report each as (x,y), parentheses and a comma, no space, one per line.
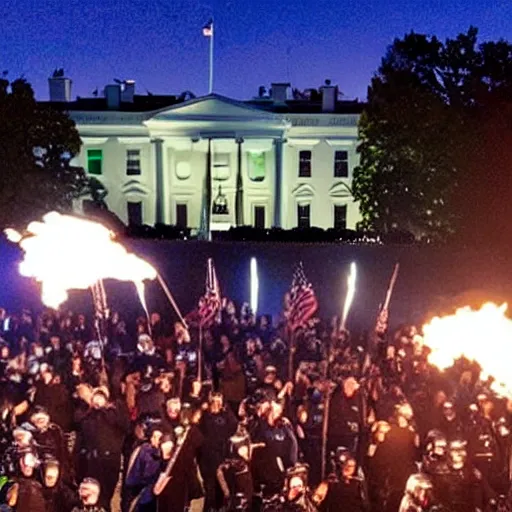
(273,161)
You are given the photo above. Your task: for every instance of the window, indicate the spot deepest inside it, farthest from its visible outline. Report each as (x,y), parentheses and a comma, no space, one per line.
(305,164)
(181,215)
(340,216)
(303,216)
(259,217)
(257,166)
(133,162)
(135,213)
(95,161)
(340,164)
(183,170)
(220,166)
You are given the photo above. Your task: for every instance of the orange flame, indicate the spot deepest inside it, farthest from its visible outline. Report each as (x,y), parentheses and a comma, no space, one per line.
(483,336)
(66,253)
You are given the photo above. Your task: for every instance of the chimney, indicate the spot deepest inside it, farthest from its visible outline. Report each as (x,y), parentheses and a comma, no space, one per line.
(60,86)
(329,97)
(128,91)
(279,92)
(113,96)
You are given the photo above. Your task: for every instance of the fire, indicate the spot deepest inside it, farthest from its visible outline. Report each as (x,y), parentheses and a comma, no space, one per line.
(483,336)
(66,253)
(351,291)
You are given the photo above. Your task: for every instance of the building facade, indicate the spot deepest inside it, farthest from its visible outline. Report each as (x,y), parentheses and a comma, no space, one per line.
(272,161)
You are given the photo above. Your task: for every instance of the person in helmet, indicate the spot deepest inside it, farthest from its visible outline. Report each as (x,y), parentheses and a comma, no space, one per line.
(450,423)
(464,489)
(379,461)
(418,494)
(402,443)
(345,485)
(234,474)
(144,468)
(27,493)
(296,493)
(217,424)
(89,492)
(50,438)
(435,458)
(58,495)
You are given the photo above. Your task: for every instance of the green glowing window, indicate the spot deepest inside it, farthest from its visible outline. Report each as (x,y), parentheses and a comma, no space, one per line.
(257,166)
(95,161)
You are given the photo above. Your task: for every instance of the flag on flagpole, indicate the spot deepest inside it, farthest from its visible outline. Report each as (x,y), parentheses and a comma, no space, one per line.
(303,302)
(209,304)
(208,29)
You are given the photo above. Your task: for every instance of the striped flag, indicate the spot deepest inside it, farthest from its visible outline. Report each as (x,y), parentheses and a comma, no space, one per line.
(208,29)
(303,302)
(209,304)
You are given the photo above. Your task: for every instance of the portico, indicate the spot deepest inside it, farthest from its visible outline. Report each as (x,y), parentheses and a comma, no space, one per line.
(243,146)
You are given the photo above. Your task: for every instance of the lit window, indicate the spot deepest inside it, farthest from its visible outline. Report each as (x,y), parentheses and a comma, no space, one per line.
(134,213)
(133,162)
(183,170)
(221,169)
(257,166)
(95,161)
(303,216)
(340,216)
(340,164)
(305,164)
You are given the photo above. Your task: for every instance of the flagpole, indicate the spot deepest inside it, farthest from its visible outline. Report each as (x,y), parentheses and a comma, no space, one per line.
(210,88)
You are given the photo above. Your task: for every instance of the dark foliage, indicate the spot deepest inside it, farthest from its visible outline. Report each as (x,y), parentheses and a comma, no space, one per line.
(436,140)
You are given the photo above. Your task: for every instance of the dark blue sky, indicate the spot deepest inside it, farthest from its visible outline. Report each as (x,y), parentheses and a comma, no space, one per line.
(159,42)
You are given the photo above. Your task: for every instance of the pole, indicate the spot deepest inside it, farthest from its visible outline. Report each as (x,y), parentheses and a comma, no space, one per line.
(200,355)
(170,298)
(325,427)
(391,286)
(291,354)
(210,87)
(327,406)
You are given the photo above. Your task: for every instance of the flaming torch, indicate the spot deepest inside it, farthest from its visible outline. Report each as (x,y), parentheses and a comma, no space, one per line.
(255,284)
(483,336)
(351,291)
(64,253)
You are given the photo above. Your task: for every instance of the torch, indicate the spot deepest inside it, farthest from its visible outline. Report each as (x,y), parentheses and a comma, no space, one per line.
(349,298)
(255,284)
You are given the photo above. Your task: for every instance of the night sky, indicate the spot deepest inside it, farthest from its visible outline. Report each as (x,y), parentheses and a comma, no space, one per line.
(159,43)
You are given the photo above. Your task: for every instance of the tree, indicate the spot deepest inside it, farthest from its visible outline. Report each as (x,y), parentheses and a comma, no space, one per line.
(428,138)
(37,144)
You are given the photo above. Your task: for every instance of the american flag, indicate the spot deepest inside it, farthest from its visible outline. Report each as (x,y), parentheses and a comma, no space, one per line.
(209,304)
(303,302)
(208,29)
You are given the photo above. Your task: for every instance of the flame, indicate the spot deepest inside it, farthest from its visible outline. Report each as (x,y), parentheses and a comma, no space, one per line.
(351,291)
(255,284)
(66,253)
(483,336)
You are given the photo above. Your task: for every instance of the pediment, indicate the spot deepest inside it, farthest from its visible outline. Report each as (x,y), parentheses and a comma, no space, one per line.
(134,187)
(340,190)
(304,190)
(214,107)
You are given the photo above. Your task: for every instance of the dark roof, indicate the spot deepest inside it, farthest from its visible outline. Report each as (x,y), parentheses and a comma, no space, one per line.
(149,103)
(141,103)
(307,107)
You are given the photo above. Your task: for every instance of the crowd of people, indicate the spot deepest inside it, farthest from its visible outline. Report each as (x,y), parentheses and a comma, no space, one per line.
(241,415)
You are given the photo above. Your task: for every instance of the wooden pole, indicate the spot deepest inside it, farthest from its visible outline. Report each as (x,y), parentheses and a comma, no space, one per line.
(170,298)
